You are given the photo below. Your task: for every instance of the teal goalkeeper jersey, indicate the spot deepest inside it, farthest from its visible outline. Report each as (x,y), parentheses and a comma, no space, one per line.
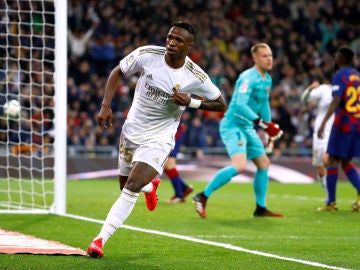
(250,99)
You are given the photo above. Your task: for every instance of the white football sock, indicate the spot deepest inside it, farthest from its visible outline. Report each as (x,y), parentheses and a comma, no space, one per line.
(323,182)
(118,213)
(147,188)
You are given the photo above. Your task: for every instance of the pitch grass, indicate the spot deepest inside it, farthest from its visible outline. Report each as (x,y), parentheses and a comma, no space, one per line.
(327,238)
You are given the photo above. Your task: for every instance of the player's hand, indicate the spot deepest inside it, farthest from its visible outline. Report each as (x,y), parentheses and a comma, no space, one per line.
(178,98)
(313,85)
(320,132)
(105,117)
(271,128)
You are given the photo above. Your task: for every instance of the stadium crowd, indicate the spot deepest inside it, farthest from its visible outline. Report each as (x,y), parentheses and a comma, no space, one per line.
(303,35)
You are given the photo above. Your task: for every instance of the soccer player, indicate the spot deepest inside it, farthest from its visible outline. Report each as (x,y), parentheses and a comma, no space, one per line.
(344,140)
(182,190)
(167,77)
(322,95)
(249,108)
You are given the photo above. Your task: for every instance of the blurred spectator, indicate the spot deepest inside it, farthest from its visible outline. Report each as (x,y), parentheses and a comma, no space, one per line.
(303,35)
(195,136)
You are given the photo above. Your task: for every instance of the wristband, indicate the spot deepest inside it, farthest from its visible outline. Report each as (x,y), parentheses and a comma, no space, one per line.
(259,122)
(194,103)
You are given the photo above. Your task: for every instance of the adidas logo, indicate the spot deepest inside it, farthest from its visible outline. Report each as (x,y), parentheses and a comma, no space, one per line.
(149,76)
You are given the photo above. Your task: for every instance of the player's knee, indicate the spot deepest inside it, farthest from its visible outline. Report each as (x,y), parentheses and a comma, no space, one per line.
(122,181)
(263,164)
(240,167)
(133,185)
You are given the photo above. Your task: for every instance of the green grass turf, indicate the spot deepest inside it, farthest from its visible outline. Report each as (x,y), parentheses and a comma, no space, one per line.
(327,238)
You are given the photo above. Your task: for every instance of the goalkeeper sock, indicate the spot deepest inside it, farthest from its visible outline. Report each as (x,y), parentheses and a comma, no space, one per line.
(118,213)
(353,176)
(331,180)
(221,178)
(260,186)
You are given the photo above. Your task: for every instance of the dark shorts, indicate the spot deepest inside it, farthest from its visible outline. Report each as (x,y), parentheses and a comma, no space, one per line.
(344,145)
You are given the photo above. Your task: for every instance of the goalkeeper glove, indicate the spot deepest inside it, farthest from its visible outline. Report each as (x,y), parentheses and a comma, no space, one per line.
(271,128)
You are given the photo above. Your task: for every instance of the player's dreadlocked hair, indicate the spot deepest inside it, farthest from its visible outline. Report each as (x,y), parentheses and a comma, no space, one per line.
(187,26)
(346,54)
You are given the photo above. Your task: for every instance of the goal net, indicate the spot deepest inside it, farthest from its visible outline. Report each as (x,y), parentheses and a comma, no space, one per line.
(33,143)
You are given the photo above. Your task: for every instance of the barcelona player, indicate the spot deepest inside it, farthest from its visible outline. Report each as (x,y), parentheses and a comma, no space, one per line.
(344,141)
(182,190)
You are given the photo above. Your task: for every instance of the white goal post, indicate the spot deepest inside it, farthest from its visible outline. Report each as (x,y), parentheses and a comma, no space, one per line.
(33,71)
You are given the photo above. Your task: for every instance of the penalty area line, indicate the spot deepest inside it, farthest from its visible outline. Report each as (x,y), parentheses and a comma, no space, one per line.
(211,243)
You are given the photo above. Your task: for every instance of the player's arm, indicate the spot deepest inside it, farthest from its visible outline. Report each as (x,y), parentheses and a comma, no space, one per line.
(183,99)
(264,121)
(218,105)
(242,93)
(105,115)
(265,112)
(307,94)
(332,108)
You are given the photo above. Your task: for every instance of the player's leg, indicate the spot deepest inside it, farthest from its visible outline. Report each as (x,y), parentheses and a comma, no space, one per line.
(140,175)
(353,176)
(319,157)
(256,153)
(318,163)
(236,148)
(332,174)
(180,187)
(139,163)
(122,181)
(148,188)
(125,158)
(223,176)
(154,154)
(260,184)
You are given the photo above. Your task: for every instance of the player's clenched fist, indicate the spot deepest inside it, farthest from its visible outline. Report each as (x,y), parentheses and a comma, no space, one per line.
(105,116)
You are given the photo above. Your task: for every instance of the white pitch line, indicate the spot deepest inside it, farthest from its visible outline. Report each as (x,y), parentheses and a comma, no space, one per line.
(212,243)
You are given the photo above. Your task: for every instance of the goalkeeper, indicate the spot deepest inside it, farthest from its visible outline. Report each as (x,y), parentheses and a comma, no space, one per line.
(249,109)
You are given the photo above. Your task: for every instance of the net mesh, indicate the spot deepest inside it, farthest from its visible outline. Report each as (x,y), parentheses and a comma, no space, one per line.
(27,49)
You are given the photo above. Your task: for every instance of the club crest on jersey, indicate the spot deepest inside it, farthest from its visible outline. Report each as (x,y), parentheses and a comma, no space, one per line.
(176,87)
(354,77)
(244,86)
(129,60)
(149,76)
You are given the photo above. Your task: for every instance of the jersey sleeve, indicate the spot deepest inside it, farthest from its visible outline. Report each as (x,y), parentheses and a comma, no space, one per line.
(131,63)
(244,89)
(336,85)
(265,112)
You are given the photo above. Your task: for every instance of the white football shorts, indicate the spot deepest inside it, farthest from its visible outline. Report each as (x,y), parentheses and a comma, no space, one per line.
(319,149)
(154,153)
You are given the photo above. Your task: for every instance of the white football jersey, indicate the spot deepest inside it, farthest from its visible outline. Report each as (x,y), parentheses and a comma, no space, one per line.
(153,116)
(323,96)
